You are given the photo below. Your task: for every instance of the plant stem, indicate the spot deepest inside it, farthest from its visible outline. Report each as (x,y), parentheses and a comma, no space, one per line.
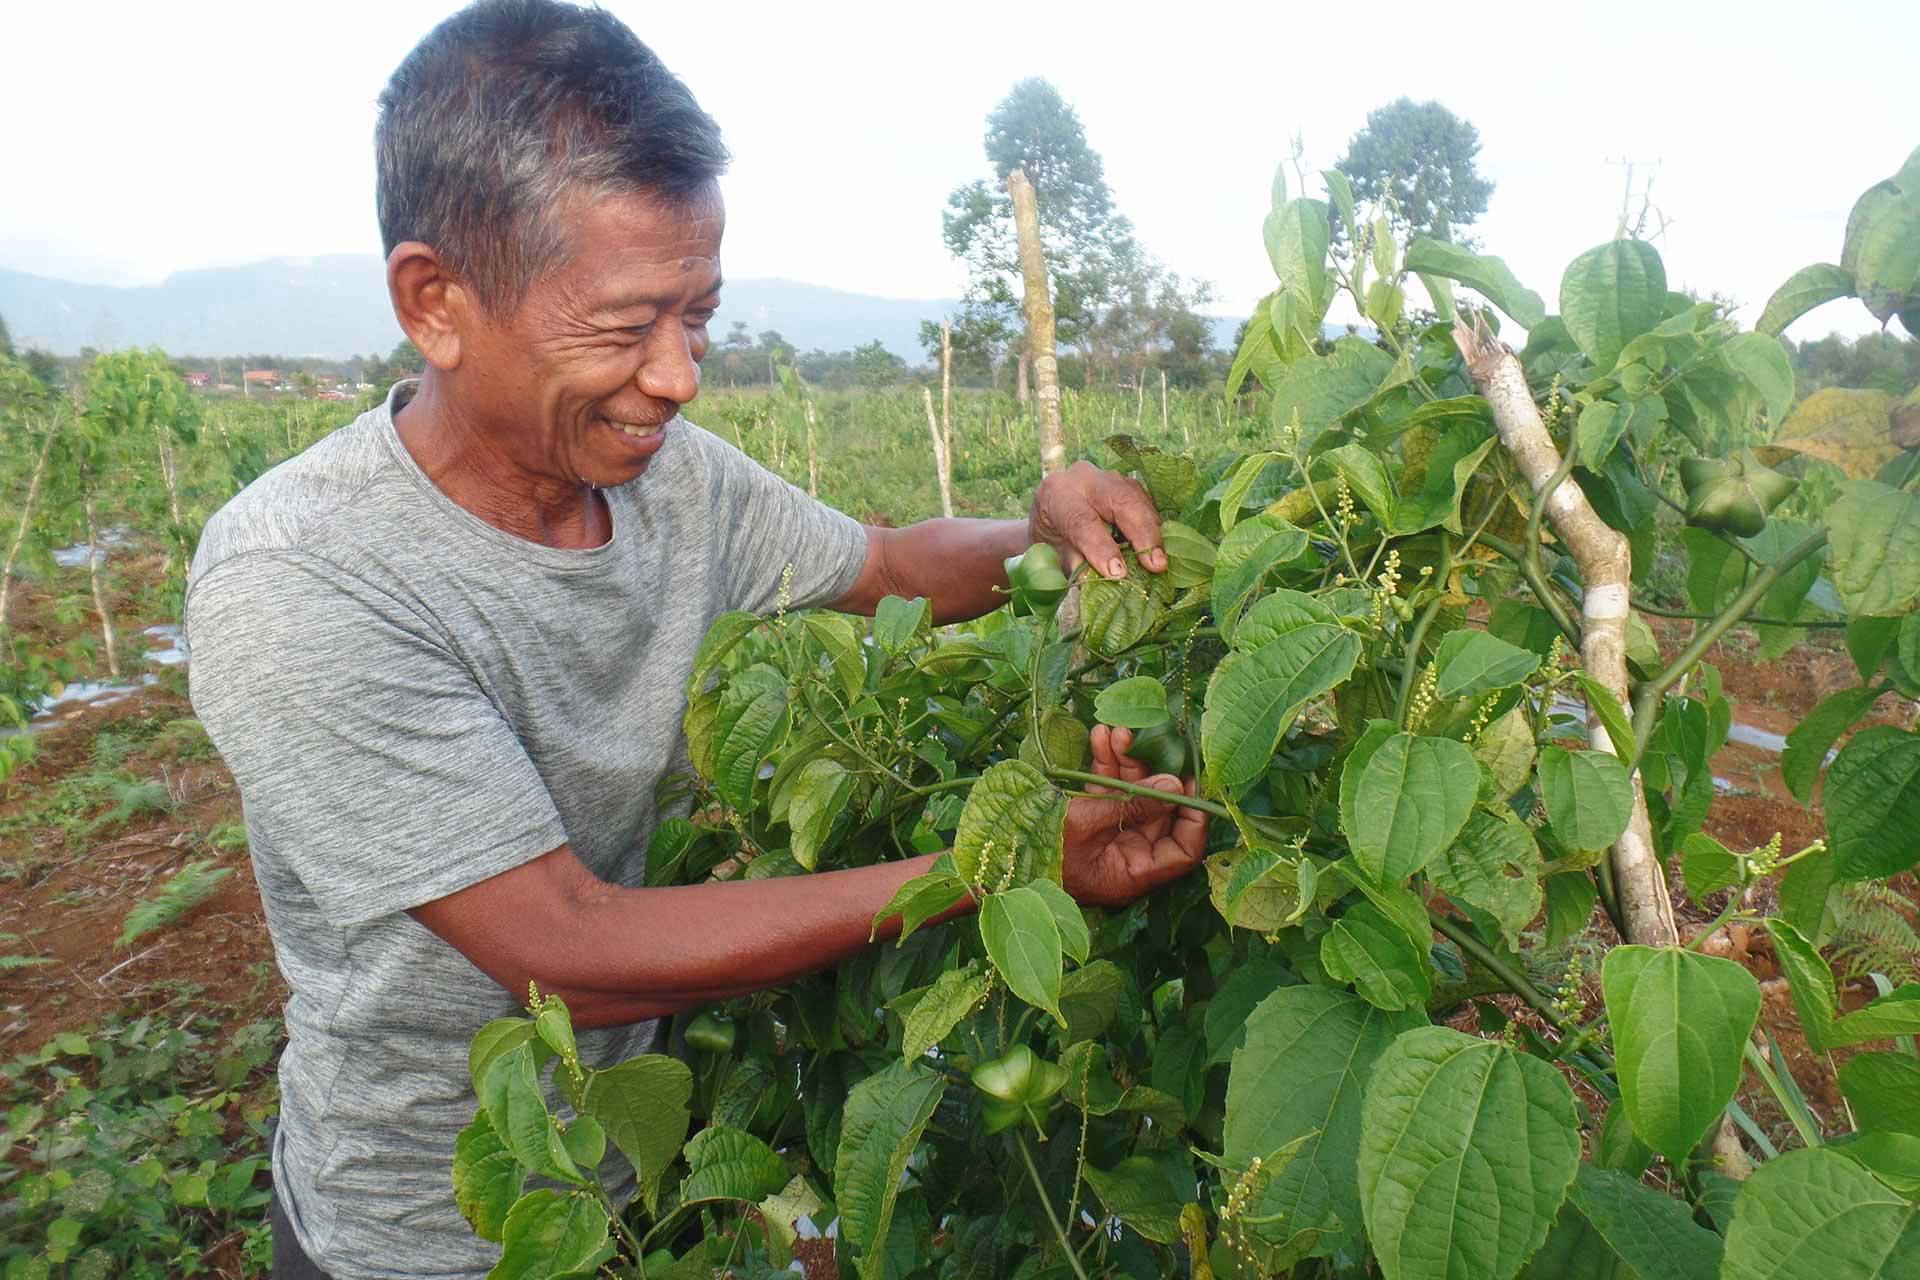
(1660,612)
(620,1229)
(1515,981)
(1646,703)
(1137,789)
(1809,1132)
(1419,633)
(1537,583)
(1033,1171)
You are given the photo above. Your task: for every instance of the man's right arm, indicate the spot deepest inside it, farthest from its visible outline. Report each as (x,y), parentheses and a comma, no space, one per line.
(619,955)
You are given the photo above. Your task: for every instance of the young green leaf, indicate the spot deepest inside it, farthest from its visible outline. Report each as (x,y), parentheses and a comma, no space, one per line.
(510,1094)
(725,1163)
(1403,799)
(1588,794)
(1707,865)
(1254,548)
(920,899)
(899,625)
(1813,1214)
(1450,1125)
(1883,1089)
(1872,802)
(952,997)
(1804,290)
(643,1106)
(1488,275)
(819,796)
(549,1234)
(1075,941)
(1016,811)
(1023,941)
(487,1180)
(1874,532)
(1472,662)
(1610,295)
(1254,697)
(1809,982)
(1308,1055)
(1896,1013)
(1139,702)
(1680,1020)
(1365,948)
(1138,1192)
(1494,865)
(884,1117)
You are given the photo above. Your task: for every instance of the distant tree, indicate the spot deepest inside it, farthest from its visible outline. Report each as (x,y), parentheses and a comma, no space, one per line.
(875,366)
(6,339)
(45,366)
(1034,129)
(1153,322)
(737,337)
(1418,158)
(405,358)
(979,333)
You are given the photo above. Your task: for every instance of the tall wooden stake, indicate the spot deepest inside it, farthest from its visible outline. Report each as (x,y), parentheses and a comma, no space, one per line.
(1039,307)
(942,464)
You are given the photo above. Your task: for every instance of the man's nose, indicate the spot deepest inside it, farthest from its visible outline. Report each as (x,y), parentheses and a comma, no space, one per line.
(670,371)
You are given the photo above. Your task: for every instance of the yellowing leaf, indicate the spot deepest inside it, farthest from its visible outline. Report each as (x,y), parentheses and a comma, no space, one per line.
(1851,429)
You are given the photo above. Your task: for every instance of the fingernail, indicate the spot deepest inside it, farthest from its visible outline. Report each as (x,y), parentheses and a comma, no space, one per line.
(1116,568)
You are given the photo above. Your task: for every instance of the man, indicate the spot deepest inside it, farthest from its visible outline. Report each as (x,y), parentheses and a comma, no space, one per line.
(444,650)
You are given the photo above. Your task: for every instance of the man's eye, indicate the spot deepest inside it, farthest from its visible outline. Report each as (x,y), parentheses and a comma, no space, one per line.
(700,319)
(637,330)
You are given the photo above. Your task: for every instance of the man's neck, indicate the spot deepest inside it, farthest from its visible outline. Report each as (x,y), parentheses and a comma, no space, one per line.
(465,463)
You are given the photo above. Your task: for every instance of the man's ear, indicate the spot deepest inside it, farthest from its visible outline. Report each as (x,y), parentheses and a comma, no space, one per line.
(431,305)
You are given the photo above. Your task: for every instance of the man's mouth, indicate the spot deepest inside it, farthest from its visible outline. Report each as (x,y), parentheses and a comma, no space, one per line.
(637,430)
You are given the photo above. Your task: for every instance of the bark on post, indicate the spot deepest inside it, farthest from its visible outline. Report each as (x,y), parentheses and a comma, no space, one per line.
(942,463)
(946,389)
(20,538)
(813,470)
(1606,565)
(1039,306)
(93,576)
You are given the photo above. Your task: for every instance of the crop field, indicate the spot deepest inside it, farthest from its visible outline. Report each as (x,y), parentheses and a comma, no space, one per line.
(1553,709)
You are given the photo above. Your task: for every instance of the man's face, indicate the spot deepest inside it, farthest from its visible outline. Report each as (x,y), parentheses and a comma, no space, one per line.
(577,383)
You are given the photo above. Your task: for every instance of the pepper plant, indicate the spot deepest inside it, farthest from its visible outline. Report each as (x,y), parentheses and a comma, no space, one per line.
(1448,768)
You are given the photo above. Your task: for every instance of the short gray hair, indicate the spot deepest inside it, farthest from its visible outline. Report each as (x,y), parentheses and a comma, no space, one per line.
(509,108)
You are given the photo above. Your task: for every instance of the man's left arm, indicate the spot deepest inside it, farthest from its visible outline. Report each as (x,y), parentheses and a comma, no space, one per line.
(958,564)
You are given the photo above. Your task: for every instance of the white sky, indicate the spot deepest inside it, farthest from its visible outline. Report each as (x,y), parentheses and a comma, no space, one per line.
(146,138)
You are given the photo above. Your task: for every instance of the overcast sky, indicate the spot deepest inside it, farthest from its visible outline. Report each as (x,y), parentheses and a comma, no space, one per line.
(147,138)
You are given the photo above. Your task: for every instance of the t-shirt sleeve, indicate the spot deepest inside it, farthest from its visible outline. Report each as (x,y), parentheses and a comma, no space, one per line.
(368,755)
(768,525)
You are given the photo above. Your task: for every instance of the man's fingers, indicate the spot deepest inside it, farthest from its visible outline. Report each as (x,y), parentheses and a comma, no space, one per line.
(1141,811)
(1190,825)
(1127,506)
(1090,537)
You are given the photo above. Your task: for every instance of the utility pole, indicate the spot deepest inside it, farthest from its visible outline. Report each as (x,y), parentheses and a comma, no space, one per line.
(1626,193)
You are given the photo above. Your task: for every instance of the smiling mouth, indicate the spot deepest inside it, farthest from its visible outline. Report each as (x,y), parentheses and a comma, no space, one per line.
(636,430)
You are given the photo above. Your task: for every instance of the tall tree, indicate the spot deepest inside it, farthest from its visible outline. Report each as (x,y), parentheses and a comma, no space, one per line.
(1418,157)
(1034,129)
(6,339)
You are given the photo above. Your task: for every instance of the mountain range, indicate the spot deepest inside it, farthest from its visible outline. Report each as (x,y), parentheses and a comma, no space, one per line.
(336,306)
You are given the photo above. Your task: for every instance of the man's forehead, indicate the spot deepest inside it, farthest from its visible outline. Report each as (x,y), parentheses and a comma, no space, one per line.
(624,241)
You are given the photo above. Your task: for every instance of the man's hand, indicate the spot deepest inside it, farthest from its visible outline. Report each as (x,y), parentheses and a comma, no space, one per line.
(1074,509)
(1119,848)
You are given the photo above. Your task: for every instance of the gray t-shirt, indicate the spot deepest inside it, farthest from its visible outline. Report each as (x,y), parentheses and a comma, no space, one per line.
(412,701)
